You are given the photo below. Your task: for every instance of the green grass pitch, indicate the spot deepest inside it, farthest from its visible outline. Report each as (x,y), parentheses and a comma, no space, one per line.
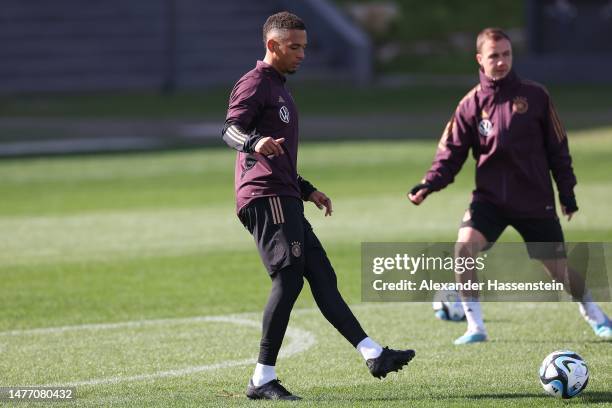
(130,277)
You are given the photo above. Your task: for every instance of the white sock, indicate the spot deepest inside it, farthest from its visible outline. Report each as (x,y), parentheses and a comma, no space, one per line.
(369,348)
(263,374)
(590,310)
(473,315)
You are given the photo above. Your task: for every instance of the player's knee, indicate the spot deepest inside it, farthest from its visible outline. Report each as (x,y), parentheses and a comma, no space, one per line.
(556,268)
(470,242)
(467,249)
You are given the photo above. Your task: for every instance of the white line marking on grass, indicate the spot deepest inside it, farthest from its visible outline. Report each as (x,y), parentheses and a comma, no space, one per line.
(132,324)
(299,340)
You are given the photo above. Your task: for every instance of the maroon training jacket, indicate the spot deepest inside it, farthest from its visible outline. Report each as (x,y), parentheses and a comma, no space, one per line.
(516,139)
(261,103)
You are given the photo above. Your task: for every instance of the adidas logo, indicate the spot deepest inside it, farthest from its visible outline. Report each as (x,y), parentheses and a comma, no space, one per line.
(281,100)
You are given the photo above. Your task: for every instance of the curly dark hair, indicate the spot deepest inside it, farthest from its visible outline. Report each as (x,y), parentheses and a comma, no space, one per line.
(282,21)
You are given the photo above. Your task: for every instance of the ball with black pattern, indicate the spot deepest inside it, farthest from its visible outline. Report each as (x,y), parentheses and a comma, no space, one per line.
(564,374)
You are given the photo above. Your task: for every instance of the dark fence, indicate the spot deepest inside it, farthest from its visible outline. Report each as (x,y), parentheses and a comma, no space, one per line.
(65,45)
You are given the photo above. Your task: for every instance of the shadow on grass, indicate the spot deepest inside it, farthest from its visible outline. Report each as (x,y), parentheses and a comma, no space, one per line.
(587,397)
(504,395)
(596,396)
(568,340)
(497,320)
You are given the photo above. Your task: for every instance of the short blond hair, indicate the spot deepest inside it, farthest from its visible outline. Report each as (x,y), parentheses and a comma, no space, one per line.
(490,33)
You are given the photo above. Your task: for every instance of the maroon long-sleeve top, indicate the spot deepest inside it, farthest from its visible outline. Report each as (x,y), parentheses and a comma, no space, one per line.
(517,141)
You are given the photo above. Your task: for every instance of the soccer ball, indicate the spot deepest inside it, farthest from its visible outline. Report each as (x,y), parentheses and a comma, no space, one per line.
(447,305)
(564,374)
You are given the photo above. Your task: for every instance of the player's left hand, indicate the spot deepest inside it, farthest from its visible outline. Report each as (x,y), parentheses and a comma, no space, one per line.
(566,212)
(321,201)
(568,205)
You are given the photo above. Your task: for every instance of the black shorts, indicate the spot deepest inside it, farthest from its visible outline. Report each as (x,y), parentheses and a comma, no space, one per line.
(281,232)
(488,220)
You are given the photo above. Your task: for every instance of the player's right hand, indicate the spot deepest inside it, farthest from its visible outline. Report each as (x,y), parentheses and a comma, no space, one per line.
(270,147)
(418,193)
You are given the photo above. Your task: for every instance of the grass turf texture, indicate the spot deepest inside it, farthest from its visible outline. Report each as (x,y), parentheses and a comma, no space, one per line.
(105,239)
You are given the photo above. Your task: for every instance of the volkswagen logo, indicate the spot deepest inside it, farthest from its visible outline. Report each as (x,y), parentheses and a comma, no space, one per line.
(283,113)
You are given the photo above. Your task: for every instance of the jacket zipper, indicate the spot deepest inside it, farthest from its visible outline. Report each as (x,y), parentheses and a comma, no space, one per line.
(500,112)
